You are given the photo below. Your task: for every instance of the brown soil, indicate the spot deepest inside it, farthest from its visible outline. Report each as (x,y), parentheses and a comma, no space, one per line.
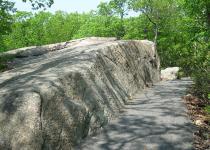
(201,119)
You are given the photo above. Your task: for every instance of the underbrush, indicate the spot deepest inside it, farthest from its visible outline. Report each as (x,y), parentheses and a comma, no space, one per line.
(207,109)
(5,61)
(198,104)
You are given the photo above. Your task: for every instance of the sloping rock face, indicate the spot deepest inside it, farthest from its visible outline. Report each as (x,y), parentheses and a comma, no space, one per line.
(58,94)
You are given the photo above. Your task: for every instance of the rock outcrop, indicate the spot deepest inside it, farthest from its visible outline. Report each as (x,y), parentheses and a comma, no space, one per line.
(56,95)
(170,73)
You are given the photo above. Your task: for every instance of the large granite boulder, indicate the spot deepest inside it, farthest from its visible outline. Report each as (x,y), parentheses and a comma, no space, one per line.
(170,73)
(56,95)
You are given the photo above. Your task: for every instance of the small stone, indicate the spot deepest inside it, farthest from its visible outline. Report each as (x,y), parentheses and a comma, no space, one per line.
(198,122)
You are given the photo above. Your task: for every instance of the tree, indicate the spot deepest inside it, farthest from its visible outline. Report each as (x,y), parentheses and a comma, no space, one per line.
(43,28)
(5,18)
(96,25)
(117,8)
(36,4)
(104,9)
(7,7)
(19,35)
(156,11)
(199,37)
(120,7)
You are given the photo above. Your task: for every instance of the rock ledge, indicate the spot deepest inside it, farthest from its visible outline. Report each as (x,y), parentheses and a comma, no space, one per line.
(54,97)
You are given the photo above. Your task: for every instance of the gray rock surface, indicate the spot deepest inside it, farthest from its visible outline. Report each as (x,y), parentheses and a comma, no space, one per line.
(58,94)
(156,119)
(170,73)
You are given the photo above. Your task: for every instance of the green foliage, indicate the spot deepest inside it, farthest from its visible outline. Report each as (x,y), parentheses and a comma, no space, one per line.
(179,28)
(100,26)
(63,26)
(207,109)
(6,19)
(36,4)
(118,8)
(104,9)
(198,12)
(42,28)
(4,59)
(114,7)
(6,8)
(135,28)
(201,79)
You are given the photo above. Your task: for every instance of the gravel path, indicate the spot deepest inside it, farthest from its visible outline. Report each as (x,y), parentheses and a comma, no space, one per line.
(155,120)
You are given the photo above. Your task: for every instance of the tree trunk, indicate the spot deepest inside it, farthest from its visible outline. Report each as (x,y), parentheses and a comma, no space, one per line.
(156,35)
(155,30)
(208,14)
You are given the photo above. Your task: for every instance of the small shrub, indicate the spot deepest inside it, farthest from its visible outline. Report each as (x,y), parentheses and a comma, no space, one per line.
(4,59)
(207,109)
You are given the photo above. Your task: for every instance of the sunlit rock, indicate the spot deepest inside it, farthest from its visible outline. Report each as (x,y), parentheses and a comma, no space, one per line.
(58,94)
(169,73)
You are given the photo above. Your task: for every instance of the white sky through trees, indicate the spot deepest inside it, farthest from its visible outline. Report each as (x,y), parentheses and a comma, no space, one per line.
(64,5)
